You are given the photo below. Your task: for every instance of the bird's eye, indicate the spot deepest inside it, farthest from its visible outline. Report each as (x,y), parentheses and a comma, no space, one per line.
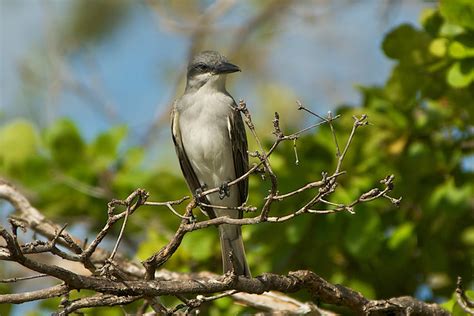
(202,68)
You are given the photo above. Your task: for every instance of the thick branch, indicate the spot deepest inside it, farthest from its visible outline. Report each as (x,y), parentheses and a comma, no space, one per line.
(319,289)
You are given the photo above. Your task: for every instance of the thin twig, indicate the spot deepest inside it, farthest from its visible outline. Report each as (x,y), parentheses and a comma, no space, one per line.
(330,119)
(310,185)
(302,107)
(13,280)
(175,202)
(297,161)
(357,123)
(119,238)
(466,304)
(235,208)
(169,205)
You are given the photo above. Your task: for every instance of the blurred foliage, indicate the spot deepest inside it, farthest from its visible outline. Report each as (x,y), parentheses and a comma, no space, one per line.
(93,20)
(454,307)
(422,132)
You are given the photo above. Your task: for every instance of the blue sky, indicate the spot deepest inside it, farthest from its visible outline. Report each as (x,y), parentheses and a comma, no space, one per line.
(318,53)
(319,61)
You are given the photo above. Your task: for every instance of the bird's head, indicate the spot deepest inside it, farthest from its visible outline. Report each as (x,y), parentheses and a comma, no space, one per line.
(209,68)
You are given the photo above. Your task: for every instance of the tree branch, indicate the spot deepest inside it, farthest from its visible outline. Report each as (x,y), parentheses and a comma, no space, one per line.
(54,291)
(116,281)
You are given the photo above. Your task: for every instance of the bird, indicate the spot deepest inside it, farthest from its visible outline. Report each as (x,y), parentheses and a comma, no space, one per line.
(211,145)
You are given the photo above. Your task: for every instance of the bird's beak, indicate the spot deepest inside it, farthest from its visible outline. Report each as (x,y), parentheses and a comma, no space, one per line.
(226,68)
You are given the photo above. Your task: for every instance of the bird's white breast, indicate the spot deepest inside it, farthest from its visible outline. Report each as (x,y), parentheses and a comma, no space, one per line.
(205,135)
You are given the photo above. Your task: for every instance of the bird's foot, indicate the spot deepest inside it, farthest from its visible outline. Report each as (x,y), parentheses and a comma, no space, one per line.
(224,190)
(198,192)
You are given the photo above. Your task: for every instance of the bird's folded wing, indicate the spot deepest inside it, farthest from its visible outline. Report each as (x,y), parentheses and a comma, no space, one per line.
(239,150)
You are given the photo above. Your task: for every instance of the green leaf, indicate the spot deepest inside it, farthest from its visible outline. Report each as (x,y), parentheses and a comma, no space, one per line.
(65,143)
(363,236)
(18,143)
(459,12)
(467,236)
(461,73)
(401,235)
(366,289)
(462,47)
(293,234)
(104,149)
(277,161)
(453,306)
(450,196)
(403,85)
(199,245)
(153,243)
(450,30)
(431,21)
(448,305)
(224,303)
(407,45)
(133,158)
(438,47)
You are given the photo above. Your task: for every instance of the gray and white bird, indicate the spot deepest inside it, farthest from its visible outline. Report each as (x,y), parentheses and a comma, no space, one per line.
(211,144)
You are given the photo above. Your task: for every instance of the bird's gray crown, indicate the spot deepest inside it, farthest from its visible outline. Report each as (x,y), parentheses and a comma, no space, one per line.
(208,57)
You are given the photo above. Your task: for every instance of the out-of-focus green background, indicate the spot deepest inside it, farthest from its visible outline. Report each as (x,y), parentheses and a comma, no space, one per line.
(84,100)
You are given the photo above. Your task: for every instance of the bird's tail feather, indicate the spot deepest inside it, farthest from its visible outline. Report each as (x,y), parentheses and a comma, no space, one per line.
(233,252)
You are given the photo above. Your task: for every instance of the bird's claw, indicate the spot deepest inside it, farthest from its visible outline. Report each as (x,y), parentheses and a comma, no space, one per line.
(224,190)
(192,219)
(198,192)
